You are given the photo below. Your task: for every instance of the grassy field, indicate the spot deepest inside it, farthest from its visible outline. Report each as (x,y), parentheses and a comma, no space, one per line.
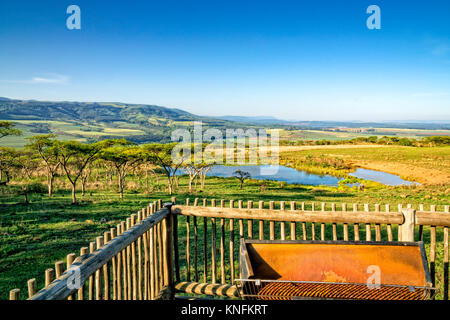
(36,235)
(293,135)
(430,166)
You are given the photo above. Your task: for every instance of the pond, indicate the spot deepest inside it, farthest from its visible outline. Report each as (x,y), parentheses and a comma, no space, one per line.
(277,173)
(381,177)
(293,176)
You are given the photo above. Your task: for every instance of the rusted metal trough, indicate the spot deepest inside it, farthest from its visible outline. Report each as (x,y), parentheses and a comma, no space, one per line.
(290,270)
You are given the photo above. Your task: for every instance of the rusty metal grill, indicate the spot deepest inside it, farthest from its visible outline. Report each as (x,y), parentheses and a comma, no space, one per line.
(255,289)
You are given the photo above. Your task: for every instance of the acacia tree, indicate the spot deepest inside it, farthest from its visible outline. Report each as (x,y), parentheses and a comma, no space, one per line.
(75,156)
(46,147)
(26,163)
(7,129)
(192,171)
(241,176)
(84,178)
(123,158)
(161,155)
(7,157)
(204,168)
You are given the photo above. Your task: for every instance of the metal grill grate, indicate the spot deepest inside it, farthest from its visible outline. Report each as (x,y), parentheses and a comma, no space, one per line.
(255,289)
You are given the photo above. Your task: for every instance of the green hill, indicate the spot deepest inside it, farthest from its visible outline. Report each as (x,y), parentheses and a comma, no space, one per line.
(91,121)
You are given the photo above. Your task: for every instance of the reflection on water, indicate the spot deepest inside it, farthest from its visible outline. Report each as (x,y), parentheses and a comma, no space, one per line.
(290,175)
(277,173)
(381,177)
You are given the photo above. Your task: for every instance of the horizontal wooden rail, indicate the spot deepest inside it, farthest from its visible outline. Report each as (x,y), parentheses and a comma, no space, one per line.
(429,218)
(293,215)
(222,290)
(86,265)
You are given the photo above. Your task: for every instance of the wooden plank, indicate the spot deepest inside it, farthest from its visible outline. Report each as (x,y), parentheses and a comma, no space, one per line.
(356,225)
(114,268)
(292,224)
(421,208)
(145,242)
(282,223)
(213,250)
(222,246)
(389,226)
(322,225)
(129,265)
(205,252)
(69,260)
(106,278)
(160,244)
(272,223)
(87,265)
(446,263)
(300,216)
(153,263)
(261,222)
(433,255)
(139,260)
(124,265)
(195,249)
(345,226)
(232,250)
(334,226)
(49,276)
(134,278)
(377,226)
(14,294)
(432,218)
(32,287)
(167,247)
(232,244)
(250,221)
(92,247)
(98,273)
(188,248)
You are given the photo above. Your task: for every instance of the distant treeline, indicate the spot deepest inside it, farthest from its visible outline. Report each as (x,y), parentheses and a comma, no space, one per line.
(431,141)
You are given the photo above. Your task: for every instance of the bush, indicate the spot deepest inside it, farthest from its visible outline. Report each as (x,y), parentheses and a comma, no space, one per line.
(35,187)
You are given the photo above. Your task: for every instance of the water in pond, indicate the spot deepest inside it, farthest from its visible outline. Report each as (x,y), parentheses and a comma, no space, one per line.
(277,173)
(290,175)
(380,176)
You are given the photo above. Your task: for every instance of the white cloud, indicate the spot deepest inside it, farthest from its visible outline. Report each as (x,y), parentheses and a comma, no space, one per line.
(46,79)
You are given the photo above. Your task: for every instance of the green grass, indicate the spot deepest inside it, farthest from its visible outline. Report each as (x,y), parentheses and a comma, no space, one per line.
(425,164)
(35,236)
(293,135)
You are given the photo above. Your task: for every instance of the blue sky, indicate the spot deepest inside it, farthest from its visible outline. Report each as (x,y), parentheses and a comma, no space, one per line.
(298,60)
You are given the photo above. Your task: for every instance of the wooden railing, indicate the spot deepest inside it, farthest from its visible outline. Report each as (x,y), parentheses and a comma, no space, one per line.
(209,247)
(193,248)
(131,262)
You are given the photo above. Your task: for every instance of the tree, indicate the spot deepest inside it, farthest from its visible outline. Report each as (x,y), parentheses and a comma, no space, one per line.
(193,171)
(27,162)
(7,129)
(241,176)
(123,158)
(75,156)
(161,154)
(7,163)
(46,147)
(204,168)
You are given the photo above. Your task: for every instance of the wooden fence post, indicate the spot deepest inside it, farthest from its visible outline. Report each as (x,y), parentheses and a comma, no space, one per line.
(407,230)
(168,249)
(14,294)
